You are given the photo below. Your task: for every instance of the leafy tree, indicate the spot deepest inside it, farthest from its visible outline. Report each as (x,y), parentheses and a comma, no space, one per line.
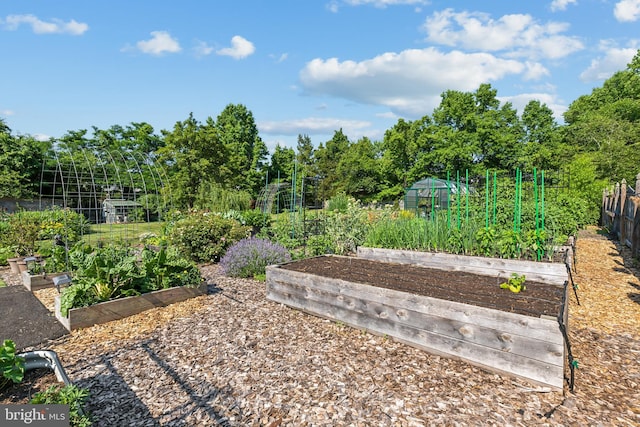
(327,159)
(282,162)
(194,156)
(543,149)
(305,156)
(238,133)
(21,159)
(359,171)
(606,122)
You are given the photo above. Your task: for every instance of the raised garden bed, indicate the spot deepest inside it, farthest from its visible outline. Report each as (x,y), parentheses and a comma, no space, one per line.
(120,308)
(446,311)
(35,282)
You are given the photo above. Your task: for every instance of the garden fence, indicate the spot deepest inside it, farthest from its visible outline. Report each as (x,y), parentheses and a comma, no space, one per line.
(621,213)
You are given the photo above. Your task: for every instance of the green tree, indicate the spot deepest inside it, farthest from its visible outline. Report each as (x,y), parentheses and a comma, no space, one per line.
(21,159)
(359,171)
(305,155)
(607,123)
(327,159)
(195,157)
(238,133)
(282,163)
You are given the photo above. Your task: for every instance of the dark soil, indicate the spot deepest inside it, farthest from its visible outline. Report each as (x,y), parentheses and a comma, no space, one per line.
(35,380)
(483,291)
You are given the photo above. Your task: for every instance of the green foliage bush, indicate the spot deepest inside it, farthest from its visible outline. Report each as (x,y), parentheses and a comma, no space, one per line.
(70,395)
(113,272)
(11,365)
(204,237)
(347,227)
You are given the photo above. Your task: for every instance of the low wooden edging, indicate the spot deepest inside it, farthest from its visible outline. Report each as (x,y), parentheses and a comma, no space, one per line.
(513,344)
(39,281)
(120,308)
(554,273)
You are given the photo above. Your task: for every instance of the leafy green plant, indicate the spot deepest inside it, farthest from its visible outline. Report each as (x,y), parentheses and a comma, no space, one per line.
(6,252)
(11,365)
(204,237)
(486,238)
(70,395)
(112,272)
(515,283)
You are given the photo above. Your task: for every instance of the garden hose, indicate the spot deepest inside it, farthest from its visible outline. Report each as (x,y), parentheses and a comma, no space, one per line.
(573,363)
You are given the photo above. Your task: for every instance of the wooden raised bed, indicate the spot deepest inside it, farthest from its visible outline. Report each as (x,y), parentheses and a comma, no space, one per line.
(39,281)
(120,308)
(543,272)
(522,345)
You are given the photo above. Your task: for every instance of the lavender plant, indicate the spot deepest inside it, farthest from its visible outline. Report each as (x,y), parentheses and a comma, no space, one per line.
(249,257)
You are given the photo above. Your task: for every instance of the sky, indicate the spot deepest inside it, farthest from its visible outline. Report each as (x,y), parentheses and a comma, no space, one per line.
(302,67)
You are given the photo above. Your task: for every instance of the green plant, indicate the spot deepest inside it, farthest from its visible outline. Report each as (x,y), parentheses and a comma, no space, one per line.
(515,283)
(204,237)
(486,238)
(6,252)
(11,365)
(70,395)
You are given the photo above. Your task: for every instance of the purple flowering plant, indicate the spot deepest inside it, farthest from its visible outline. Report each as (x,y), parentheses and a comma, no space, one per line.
(249,257)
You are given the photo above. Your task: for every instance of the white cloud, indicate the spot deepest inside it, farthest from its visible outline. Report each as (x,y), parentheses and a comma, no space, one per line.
(535,71)
(312,125)
(627,10)
(279,58)
(202,49)
(515,35)
(240,48)
(551,100)
(561,4)
(7,112)
(41,137)
(614,59)
(160,43)
(409,82)
(56,26)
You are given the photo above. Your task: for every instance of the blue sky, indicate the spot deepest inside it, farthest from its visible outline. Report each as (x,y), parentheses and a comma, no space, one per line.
(300,66)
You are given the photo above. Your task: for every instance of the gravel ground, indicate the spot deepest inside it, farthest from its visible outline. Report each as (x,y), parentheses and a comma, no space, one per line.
(232,358)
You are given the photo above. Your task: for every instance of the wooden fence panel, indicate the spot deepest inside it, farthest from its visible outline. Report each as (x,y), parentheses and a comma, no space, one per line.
(620,214)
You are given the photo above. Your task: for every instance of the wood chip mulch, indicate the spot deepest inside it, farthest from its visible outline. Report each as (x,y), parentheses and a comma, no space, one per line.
(232,358)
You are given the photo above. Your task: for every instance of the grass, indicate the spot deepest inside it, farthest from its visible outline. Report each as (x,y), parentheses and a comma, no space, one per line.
(2,283)
(128,233)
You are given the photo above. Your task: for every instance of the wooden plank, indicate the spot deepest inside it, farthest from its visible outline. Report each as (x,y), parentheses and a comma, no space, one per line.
(38,281)
(543,329)
(491,358)
(499,339)
(124,307)
(543,272)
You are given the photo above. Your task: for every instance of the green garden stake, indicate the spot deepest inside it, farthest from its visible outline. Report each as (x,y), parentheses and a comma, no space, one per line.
(458,198)
(495,197)
(486,200)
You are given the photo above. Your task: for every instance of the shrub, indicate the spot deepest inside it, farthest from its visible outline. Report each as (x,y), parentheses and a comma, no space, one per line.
(204,237)
(11,365)
(6,252)
(249,257)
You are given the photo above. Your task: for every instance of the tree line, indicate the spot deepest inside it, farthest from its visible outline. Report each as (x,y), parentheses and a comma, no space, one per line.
(468,131)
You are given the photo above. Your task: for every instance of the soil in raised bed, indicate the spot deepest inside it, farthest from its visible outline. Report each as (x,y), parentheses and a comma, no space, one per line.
(483,291)
(34,381)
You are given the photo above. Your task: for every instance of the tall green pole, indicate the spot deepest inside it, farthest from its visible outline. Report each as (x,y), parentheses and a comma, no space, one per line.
(542,196)
(495,196)
(466,197)
(433,199)
(515,203)
(458,198)
(448,202)
(486,199)
(535,196)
